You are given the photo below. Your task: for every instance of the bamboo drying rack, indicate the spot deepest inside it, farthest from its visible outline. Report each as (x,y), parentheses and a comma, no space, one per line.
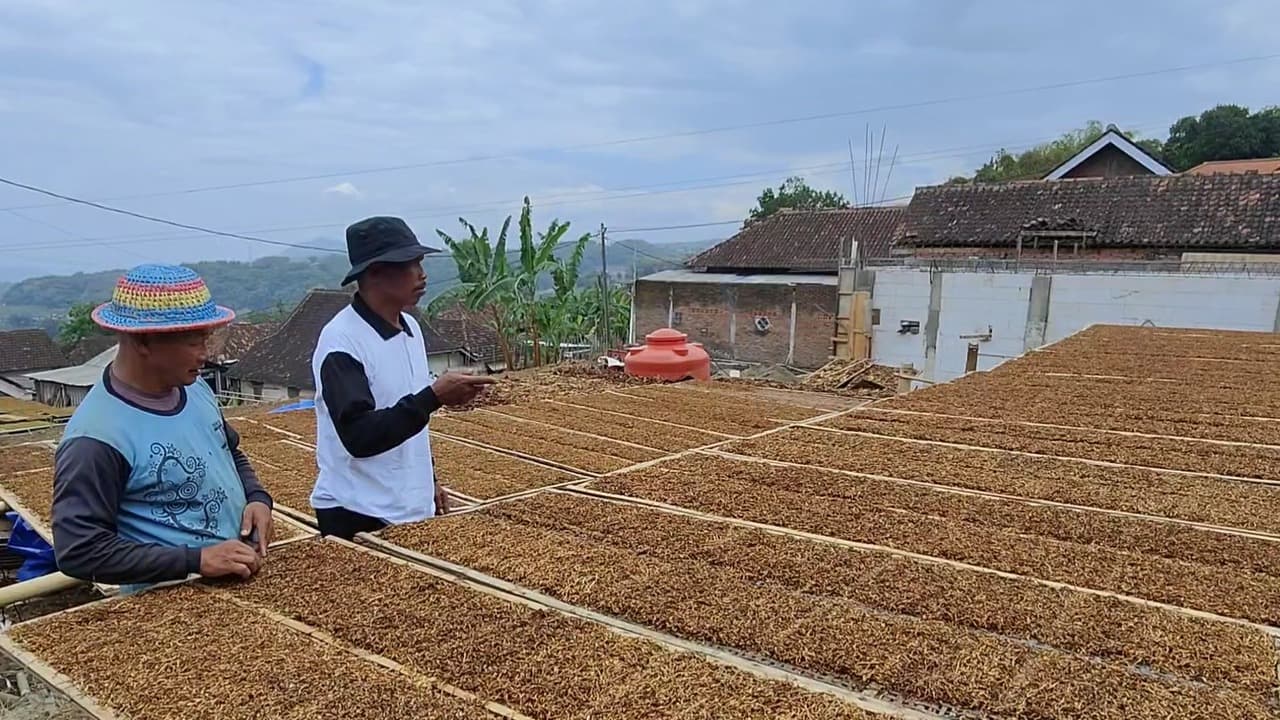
(511,592)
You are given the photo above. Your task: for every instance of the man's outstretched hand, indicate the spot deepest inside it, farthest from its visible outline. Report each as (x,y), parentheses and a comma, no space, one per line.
(459,389)
(231,557)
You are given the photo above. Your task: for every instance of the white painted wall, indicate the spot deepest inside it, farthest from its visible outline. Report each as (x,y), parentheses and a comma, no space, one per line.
(970,301)
(1229,303)
(899,295)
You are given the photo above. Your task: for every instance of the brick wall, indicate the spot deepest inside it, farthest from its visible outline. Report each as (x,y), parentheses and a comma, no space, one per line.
(723,318)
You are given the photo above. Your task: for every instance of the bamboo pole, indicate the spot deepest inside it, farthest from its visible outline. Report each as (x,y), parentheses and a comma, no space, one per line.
(840,542)
(1031,501)
(36,587)
(1104,431)
(1068,458)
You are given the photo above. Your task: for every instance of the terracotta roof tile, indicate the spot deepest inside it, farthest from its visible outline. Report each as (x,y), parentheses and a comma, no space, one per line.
(1220,167)
(1223,212)
(804,240)
(233,341)
(22,350)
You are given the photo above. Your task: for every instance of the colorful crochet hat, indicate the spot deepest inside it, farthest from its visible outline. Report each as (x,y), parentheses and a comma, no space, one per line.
(161,298)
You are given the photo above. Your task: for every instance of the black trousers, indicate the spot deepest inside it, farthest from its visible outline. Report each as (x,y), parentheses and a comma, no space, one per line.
(344,523)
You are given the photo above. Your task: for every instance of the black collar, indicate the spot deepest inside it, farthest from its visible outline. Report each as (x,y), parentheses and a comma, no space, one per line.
(385,329)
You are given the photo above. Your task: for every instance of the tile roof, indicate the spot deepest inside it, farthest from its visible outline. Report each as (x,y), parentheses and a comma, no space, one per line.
(233,341)
(1223,212)
(1220,167)
(88,347)
(804,240)
(284,357)
(22,350)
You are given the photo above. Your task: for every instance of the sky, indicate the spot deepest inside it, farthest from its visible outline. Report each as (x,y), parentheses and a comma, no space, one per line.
(626,114)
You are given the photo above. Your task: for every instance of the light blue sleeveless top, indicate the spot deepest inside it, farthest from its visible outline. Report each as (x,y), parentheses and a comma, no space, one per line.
(183,488)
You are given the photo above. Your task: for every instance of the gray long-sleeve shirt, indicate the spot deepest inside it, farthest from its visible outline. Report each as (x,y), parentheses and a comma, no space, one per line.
(89,480)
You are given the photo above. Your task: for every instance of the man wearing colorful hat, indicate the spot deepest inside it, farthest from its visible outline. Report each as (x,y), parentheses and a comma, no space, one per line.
(375,393)
(149,482)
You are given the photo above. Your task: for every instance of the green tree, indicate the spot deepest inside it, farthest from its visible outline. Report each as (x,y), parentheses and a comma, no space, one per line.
(795,194)
(1038,161)
(536,301)
(78,324)
(1225,132)
(537,259)
(486,282)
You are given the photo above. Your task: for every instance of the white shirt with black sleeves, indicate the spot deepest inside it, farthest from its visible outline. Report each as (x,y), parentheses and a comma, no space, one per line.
(373,401)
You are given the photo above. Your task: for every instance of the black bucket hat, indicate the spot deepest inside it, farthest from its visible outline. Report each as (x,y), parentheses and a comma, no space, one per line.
(381,240)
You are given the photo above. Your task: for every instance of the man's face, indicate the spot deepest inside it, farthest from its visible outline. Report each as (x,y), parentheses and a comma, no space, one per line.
(176,358)
(404,282)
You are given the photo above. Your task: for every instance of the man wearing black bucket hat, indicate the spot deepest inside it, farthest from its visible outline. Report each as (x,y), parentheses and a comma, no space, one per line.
(374,392)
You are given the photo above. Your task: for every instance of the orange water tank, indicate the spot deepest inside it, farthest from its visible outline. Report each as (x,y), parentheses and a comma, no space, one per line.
(668,354)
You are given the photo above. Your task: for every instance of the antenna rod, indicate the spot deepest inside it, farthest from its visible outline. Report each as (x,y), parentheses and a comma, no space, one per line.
(880,155)
(885,192)
(853,170)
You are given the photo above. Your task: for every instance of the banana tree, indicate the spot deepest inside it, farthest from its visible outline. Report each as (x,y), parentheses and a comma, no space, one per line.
(487,283)
(537,258)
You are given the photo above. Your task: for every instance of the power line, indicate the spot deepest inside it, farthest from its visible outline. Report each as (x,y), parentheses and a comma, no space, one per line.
(694,133)
(557,200)
(162,221)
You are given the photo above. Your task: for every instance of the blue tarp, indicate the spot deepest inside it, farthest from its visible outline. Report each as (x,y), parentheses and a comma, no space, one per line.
(303,405)
(26,543)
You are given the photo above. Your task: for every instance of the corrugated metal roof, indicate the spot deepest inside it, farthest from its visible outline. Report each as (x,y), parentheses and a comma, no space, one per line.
(690,276)
(86,375)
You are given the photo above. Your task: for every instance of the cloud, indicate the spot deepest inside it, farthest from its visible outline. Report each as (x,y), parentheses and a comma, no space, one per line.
(479,104)
(344,188)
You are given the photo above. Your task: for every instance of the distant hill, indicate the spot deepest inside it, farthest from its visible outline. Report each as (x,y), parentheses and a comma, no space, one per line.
(277,283)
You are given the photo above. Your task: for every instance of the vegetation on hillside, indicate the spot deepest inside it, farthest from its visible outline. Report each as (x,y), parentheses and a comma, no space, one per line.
(268,288)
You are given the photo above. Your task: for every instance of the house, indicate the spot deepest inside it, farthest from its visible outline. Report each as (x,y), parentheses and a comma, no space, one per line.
(66,387)
(1113,154)
(767,294)
(225,347)
(23,352)
(278,367)
(88,347)
(1133,218)
(1256,166)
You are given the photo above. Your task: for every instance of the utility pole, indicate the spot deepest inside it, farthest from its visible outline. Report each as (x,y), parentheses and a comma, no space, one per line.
(604,291)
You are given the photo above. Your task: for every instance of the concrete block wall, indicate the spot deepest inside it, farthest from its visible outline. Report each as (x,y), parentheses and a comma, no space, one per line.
(1026,310)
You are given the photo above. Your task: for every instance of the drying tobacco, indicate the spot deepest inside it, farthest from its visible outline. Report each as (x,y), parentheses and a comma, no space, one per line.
(184,653)
(717,600)
(542,663)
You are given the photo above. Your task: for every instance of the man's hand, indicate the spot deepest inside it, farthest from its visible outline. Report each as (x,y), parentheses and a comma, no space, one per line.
(231,557)
(257,516)
(442,500)
(459,389)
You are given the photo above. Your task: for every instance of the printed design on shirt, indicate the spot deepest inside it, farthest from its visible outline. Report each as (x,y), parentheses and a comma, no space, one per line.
(218,429)
(175,497)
